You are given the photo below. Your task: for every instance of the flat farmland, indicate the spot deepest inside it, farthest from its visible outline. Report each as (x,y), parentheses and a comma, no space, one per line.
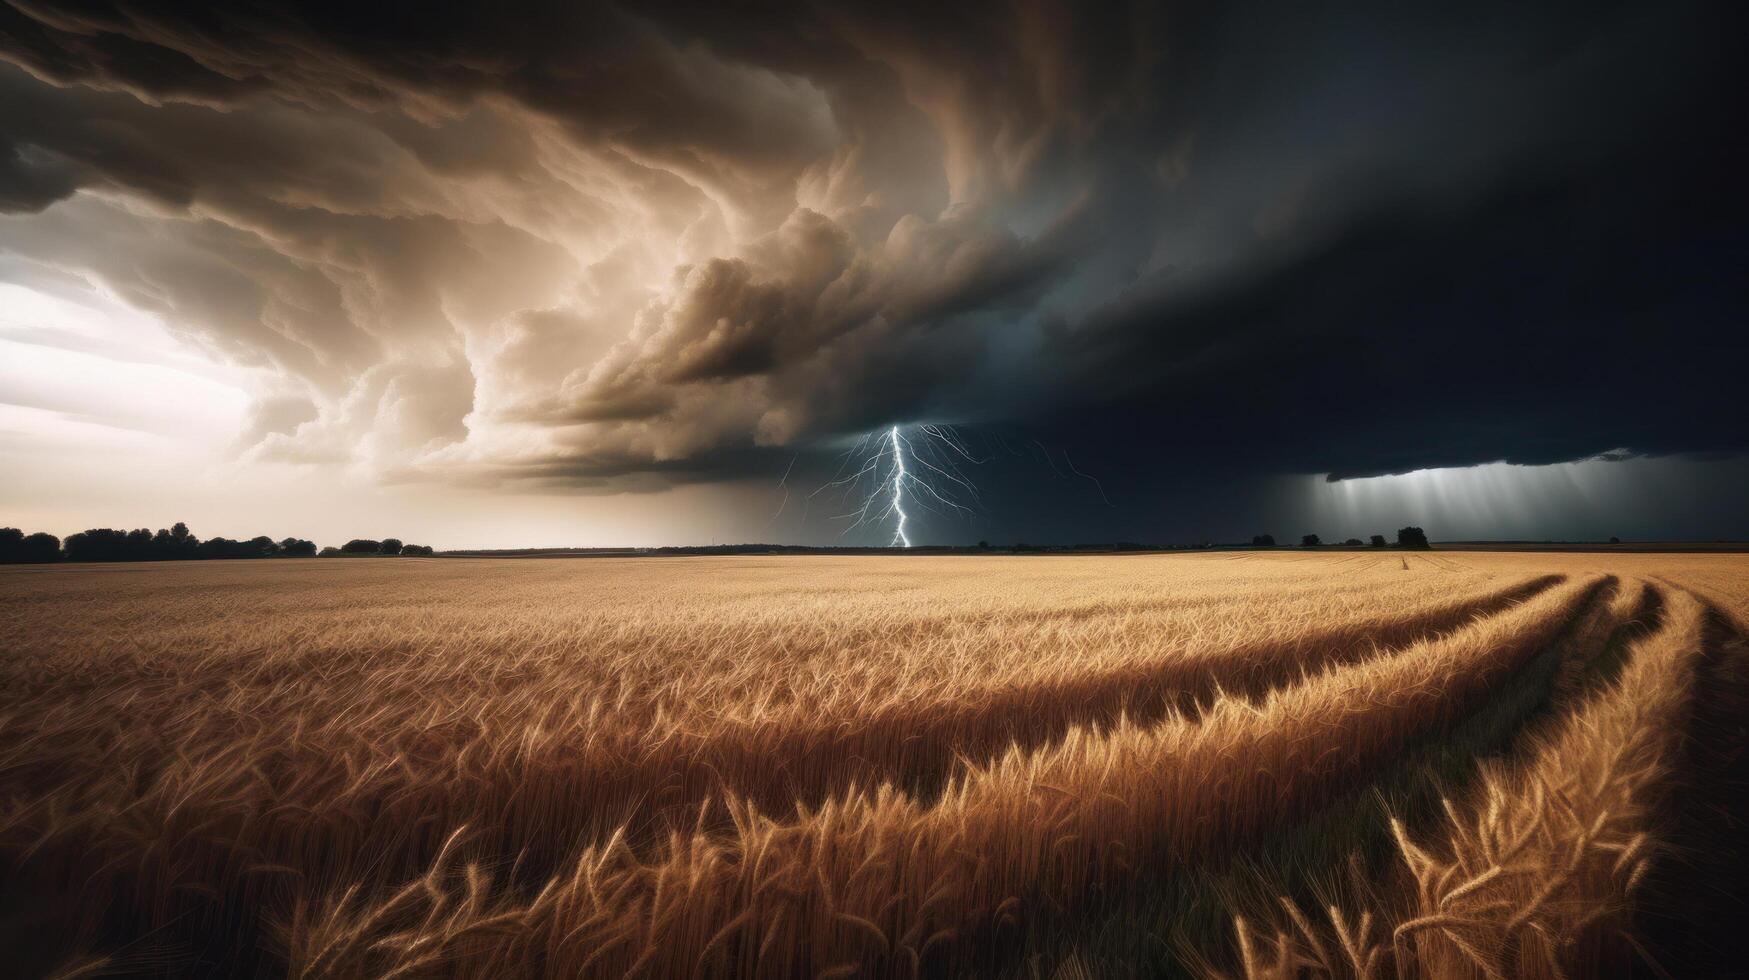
(1344,764)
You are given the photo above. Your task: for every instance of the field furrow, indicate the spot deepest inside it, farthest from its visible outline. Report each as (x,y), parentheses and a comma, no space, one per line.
(882,881)
(318,789)
(875,767)
(1536,872)
(1692,908)
(777,763)
(1342,845)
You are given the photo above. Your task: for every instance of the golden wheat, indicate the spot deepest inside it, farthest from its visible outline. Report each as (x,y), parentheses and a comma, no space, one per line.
(1538,868)
(765,766)
(873,877)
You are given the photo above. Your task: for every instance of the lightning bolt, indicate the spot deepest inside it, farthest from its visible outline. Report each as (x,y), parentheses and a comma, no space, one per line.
(899,474)
(891,473)
(915,464)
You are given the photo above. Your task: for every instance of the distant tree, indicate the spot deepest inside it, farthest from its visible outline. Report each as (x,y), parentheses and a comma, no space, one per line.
(138,546)
(1352,543)
(97,544)
(984,545)
(76,549)
(182,543)
(18,548)
(1378,541)
(172,544)
(416,550)
(40,548)
(87,545)
(1614,540)
(213,548)
(1412,538)
(330,552)
(1263,541)
(1309,541)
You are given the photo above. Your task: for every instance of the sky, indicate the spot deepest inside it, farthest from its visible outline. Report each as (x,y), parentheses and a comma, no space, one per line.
(567,274)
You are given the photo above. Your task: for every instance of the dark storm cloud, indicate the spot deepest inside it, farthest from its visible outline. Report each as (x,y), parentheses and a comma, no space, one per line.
(621,246)
(1413,340)
(1551,270)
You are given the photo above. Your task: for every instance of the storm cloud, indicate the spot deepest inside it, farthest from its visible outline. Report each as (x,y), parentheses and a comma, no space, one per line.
(621,246)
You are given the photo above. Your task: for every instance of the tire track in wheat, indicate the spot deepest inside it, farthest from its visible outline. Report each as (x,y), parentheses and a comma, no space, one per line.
(246,760)
(1340,849)
(918,746)
(1695,902)
(1540,867)
(882,882)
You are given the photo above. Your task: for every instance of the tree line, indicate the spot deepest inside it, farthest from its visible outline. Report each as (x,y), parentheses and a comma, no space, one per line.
(364,547)
(175,543)
(1412,538)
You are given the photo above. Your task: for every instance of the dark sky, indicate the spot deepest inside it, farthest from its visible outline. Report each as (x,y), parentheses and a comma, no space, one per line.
(648,258)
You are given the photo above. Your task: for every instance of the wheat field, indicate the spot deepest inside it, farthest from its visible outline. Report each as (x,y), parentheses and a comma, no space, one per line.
(1347,764)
